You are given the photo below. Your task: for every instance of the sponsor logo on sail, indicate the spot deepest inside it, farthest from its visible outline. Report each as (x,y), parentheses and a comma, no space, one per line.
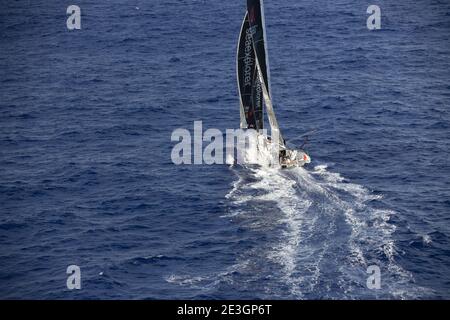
(248,57)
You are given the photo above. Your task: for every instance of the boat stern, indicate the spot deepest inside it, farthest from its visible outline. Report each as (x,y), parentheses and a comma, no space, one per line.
(294,158)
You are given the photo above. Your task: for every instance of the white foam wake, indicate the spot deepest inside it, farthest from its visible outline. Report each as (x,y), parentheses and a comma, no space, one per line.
(330,232)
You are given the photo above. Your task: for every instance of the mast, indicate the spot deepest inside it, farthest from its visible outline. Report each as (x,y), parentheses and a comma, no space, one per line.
(255,9)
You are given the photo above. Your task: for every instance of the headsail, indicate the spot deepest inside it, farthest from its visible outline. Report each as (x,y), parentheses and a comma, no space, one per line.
(249,84)
(256,22)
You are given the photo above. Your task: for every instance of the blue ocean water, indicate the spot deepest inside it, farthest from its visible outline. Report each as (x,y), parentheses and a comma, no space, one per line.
(86,176)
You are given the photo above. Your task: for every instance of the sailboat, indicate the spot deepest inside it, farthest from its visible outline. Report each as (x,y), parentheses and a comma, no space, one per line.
(254,88)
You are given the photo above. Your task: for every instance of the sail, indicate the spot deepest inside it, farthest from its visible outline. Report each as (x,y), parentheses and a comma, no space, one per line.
(255,9)
(250,90)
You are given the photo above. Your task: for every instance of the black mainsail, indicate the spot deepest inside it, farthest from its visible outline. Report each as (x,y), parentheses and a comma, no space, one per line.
(250,89)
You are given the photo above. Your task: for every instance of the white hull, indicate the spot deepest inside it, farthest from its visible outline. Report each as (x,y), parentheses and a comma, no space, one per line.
(261,150)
